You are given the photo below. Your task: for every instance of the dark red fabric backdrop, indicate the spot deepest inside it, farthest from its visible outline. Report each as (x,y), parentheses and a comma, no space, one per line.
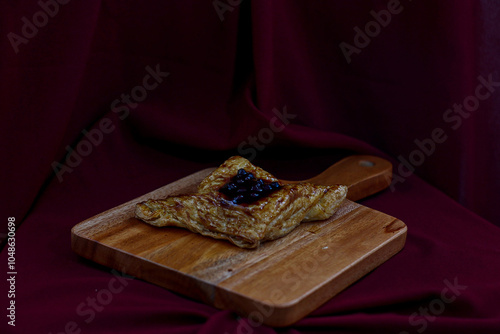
(103,101)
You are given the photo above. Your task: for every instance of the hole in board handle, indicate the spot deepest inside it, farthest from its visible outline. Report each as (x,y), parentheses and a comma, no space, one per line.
(366,163)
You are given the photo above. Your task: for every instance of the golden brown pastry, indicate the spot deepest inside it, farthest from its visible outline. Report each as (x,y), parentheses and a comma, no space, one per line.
(244,204)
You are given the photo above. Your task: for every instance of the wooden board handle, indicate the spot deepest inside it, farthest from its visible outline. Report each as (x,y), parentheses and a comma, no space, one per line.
(365,175)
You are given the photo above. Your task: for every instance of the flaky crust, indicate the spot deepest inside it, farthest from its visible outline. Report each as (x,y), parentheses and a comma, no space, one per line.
(210,213)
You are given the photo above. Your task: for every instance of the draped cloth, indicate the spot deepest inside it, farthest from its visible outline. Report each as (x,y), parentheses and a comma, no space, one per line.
(103,101)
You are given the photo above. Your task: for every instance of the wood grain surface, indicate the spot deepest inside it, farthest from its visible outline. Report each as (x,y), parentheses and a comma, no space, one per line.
(278,283)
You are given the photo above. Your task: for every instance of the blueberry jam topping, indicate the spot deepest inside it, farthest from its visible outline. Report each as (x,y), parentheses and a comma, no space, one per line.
(245,188)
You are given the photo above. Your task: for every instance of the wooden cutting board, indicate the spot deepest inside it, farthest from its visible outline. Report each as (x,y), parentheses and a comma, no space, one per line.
(278,283)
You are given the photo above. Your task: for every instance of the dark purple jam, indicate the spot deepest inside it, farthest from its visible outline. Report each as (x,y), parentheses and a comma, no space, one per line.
(245,188)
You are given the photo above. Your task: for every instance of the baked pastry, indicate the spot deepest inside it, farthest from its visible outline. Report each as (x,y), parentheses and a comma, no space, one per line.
(244,204)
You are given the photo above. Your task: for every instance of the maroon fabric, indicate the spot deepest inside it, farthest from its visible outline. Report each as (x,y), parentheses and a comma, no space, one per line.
(104,101)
